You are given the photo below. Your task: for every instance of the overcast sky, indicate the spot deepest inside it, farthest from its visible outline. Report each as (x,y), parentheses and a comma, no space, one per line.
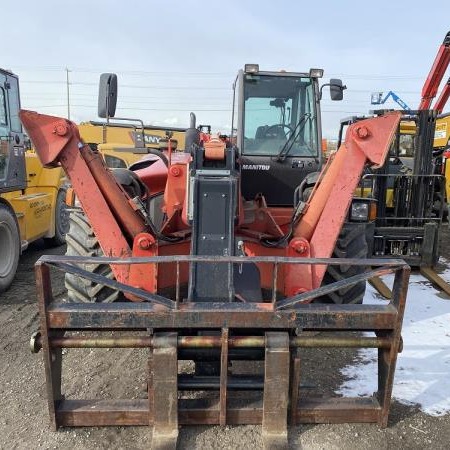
(176,56)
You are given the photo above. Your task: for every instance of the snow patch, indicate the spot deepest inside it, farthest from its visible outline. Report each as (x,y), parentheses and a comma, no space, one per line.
(423,368)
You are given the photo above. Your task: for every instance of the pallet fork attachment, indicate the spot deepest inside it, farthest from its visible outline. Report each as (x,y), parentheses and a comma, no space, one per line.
(435,278)
(283,402)
(381,287)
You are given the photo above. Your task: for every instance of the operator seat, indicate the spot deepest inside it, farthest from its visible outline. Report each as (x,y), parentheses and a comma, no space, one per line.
(268,139)
(261,132)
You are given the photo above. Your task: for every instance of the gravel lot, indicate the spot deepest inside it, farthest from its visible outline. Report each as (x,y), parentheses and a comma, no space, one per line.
(24,418)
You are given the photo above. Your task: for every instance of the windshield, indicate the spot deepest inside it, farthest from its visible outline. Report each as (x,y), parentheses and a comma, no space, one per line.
(279,116)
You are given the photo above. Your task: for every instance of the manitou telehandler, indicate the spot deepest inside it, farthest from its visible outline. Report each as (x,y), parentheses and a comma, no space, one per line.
(218,257)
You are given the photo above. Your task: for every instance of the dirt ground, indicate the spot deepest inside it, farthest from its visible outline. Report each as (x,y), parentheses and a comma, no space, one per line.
(24,420)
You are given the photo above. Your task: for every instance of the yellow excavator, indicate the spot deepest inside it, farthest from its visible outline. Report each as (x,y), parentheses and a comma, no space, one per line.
(122,144)
(32,198)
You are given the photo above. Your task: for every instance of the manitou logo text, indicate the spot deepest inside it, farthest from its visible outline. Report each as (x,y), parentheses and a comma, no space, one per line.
(255,167)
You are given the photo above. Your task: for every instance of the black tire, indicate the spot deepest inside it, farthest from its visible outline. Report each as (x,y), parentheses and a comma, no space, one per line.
(9,246)
(351,243)
(81,241)
(61,221)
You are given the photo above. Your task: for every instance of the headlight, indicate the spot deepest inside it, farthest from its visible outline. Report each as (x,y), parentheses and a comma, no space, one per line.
(316,73)
(359,212)
(251,68)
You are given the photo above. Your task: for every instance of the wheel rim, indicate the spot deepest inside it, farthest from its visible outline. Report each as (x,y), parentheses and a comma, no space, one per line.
(7,246)
(62,218)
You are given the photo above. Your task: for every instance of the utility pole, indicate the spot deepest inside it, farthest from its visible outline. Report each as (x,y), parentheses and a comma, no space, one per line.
(68,92)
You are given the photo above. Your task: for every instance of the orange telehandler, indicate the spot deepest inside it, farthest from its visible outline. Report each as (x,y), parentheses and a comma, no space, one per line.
(234,266)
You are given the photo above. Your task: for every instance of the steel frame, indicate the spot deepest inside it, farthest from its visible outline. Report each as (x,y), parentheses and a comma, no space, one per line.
(272,322)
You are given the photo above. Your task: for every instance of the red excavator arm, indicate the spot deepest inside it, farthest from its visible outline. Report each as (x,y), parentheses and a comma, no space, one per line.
(435,76)
(443,98)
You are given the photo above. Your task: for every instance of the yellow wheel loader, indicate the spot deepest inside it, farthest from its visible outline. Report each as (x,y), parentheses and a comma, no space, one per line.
(32,198)
(123,144)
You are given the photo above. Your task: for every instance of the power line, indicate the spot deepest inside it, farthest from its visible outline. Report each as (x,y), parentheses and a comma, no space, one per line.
(376,77)
(119,71)
(177,109)
(163,101)
(132,86)
(212,74)
(143,97)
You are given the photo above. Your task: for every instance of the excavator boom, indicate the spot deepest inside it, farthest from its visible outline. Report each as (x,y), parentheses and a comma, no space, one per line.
(443,98)
(436,74)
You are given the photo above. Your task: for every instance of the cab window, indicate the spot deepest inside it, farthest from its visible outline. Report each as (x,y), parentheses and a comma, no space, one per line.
(4,145)
(14,105)
(279,116)
(3,116)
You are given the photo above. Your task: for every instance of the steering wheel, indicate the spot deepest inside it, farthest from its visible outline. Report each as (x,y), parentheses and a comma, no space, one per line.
(272,132)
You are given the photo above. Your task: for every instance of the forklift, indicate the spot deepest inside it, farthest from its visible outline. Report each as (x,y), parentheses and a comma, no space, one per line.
(410,187)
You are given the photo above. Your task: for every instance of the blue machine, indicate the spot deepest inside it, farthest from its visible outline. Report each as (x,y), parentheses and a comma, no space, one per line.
(377,99)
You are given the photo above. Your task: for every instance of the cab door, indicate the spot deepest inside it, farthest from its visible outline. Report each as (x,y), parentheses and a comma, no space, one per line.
(12,158)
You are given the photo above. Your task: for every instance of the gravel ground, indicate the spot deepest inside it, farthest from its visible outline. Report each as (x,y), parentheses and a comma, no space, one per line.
(24,419)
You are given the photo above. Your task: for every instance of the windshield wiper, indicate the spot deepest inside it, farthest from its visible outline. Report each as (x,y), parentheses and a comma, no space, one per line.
(294,135)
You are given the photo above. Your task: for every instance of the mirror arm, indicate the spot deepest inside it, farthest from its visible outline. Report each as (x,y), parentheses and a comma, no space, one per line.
(320,90)
(342,88)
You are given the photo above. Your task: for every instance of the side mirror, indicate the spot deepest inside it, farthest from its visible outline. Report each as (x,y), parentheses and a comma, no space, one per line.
(107,95)
(336,89)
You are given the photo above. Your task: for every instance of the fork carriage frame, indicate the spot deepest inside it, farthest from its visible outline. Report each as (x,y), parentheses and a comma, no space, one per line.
(163,330)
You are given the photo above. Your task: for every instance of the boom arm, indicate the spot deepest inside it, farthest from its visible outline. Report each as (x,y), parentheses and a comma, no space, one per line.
(108,207)
(436,74)
(367,141)
(395,97)
(442,100)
